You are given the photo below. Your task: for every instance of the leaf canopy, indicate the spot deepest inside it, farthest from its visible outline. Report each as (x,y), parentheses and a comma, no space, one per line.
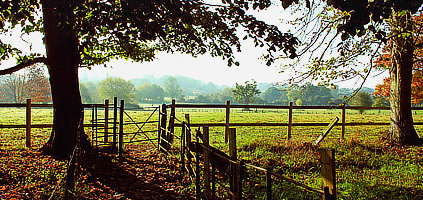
(137,30)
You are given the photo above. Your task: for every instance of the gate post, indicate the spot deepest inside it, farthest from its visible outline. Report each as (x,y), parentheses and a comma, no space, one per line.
(234,169)
(122,107)
(206,161)
(106,121)
(163,120)
(171,127)
(115,104)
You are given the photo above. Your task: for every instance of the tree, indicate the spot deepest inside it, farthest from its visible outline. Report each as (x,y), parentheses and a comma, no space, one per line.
(384,89)
(364,26)
(247,93)
(380,102)
(361,99)
(86,33)
(117,87)
(31,84)
(150,92)
(272,94)
(172,88)
(222,96)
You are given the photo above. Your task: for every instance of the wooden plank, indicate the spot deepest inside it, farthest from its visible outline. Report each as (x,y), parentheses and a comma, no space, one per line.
(328,173)
(322,136)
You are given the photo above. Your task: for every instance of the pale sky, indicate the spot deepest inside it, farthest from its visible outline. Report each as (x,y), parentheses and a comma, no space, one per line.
(204,67)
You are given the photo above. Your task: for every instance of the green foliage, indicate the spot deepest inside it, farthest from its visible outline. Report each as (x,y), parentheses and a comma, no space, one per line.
(172,88)
(272,94)
(150,93)
(361,99)
(299,102)
(116,87)
(89,92)
(247,93)
(380,102)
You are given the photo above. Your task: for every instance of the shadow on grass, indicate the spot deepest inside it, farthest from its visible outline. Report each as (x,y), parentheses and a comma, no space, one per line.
(131,182)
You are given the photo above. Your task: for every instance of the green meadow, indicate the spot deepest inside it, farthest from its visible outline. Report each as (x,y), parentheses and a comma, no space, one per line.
(367,167)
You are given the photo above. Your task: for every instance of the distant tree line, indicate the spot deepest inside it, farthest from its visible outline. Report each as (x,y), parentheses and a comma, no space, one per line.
(246,93)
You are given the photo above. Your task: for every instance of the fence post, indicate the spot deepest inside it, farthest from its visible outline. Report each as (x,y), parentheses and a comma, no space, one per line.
(163,127)
(234,169)
(327,160)
(197,170)
(171,127)
(206,143)
(106,121)
(228,113)
(115,104)
(269,183)
(183,148)
(343,121)
(28,123)
(92,126)
(291,105)
(122,107)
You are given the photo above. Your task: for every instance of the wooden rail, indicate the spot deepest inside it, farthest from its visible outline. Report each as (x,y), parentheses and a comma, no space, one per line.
(237,168)
(28,117)
(228,106)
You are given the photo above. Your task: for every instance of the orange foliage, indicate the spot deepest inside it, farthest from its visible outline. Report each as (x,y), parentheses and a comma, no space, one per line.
(384,61)
(383,90)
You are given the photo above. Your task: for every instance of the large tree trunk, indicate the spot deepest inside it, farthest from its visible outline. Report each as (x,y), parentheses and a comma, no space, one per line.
(62,60)
(401,127)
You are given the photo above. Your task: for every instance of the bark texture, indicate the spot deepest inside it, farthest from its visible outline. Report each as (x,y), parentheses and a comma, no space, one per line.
(401,127)
(62,60)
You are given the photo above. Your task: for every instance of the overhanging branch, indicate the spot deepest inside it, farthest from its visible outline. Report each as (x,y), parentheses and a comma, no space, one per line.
(23,65)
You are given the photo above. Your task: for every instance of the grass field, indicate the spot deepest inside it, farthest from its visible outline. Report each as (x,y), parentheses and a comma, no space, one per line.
(367,167)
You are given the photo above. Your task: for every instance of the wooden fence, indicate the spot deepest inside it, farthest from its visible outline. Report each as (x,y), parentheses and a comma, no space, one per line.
(290,109)
(28,119)
(202,164)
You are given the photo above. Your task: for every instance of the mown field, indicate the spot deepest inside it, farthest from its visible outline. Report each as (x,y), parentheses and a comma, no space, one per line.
(367,167)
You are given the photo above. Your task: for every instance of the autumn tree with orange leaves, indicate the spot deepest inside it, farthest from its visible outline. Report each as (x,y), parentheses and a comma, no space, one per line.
(32,84)
(383,89)
(385,61)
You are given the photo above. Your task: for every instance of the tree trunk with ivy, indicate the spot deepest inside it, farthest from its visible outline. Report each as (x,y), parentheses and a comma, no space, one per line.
(62,60)
(401,126)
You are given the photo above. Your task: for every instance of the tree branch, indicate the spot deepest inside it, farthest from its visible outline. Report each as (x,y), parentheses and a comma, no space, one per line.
(23,65)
